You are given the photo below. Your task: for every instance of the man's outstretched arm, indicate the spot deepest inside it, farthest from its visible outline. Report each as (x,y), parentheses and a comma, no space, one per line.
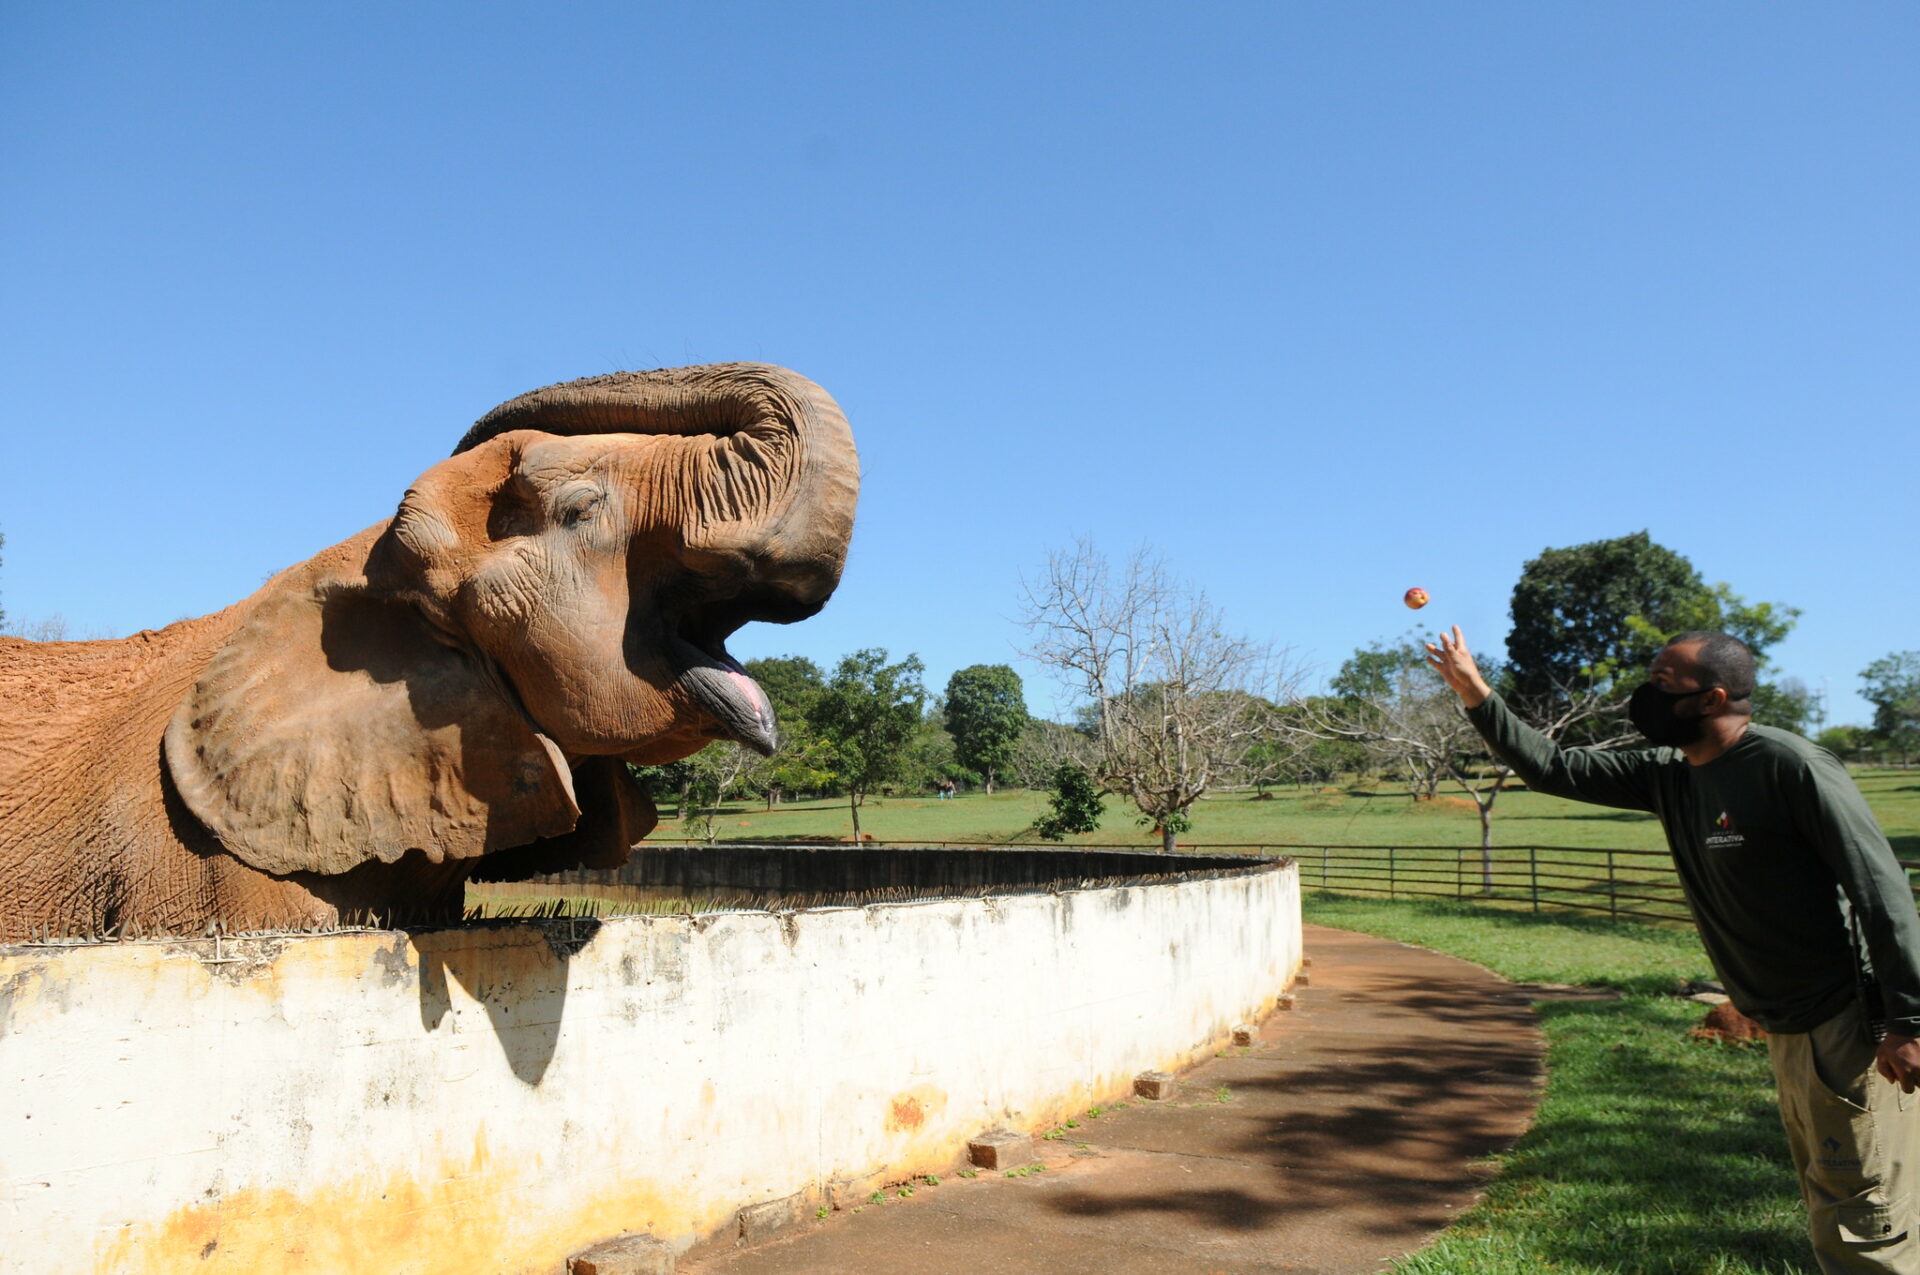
(1584,774)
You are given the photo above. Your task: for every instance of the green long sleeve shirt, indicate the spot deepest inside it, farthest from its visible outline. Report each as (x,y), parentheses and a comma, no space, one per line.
(1774,846)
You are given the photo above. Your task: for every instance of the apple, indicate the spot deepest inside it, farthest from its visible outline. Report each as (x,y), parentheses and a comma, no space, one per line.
(1416,597)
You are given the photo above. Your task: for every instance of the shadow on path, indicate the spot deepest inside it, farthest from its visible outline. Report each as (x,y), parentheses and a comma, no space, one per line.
(1347,1135)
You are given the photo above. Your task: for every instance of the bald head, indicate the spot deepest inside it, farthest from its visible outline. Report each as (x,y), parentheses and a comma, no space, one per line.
(1717,659)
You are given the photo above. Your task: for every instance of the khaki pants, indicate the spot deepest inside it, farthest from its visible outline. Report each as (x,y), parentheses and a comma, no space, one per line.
(1856,1143)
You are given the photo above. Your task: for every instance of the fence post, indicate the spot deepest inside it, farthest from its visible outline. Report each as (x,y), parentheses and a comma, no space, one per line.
(1392,872)
(1613,891)
(1323,867)
(1533,873)
(1459,877)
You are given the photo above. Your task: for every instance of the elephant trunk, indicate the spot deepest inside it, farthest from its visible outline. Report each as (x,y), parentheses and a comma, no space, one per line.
(777,481)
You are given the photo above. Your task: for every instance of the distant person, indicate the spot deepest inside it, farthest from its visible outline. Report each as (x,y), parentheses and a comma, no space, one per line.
(1801,906)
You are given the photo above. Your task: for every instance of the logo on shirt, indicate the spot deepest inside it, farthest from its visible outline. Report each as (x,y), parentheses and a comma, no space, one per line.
(1725,836)
(1833,1159)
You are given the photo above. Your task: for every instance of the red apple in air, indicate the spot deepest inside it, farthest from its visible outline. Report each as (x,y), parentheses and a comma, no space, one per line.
(1416,597)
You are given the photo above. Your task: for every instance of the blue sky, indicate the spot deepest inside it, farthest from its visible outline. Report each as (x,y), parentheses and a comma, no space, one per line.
(1321,300)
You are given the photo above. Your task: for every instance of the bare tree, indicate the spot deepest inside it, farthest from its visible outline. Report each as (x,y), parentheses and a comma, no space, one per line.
(1409,720)
(1172,697)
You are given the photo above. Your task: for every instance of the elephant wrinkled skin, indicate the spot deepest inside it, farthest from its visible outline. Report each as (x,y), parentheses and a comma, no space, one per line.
(451,694)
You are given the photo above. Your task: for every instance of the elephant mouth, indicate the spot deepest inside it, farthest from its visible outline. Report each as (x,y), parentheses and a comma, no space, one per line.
(721,686)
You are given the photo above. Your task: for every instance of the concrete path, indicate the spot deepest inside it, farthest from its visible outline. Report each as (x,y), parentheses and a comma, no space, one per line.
(1345,1137)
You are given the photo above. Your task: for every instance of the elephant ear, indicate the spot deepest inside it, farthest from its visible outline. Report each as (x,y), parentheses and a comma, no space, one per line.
(334,729)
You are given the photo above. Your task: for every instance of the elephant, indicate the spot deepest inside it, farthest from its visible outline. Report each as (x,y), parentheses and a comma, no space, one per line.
(451,694)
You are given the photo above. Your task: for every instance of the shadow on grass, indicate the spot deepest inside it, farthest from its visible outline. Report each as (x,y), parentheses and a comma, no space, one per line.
(1662,1150)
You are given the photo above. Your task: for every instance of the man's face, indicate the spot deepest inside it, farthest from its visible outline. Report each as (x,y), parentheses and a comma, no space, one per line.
(1676,668)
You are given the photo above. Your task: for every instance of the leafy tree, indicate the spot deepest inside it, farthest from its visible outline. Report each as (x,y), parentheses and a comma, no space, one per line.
(1571,606)
(1787,704)
(931,757)
(1588,619)
(1843,741)
(803,762)
(1373,671)
(1892,685)
(868,713)
(708,778)
(1074,805)
(986,711)
(791,683)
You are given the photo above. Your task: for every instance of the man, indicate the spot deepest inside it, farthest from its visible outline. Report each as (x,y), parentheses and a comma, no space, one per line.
(1801,906)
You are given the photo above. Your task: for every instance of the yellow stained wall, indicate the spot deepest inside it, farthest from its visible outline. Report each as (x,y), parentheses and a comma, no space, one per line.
(498,1098)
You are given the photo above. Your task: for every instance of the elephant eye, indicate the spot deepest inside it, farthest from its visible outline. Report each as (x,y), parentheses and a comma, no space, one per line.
(581,508)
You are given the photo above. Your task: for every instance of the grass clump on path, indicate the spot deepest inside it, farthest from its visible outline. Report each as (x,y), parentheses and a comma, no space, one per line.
(1650,1152)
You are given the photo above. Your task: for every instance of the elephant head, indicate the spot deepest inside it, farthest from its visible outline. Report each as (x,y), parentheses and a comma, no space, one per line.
(547,604)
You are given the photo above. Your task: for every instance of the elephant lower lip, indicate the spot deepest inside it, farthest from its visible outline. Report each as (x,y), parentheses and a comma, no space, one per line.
(734,698)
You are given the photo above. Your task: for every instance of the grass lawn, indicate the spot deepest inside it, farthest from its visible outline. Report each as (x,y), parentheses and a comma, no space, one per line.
(1650,1152)
(1356,815)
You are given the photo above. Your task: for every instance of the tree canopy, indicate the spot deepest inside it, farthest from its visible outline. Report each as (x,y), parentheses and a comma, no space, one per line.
(1572,606)
(1892,685)
(986,712)
(1588,619)
(869,712)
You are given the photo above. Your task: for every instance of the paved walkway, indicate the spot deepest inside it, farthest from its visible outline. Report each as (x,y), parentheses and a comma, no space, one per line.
(1346,1139)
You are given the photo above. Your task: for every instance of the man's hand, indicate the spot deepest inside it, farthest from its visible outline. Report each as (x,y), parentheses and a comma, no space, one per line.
(1454,663)
(1899,1061)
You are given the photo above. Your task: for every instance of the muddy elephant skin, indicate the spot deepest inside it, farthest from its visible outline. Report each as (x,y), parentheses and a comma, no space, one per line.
(451,694)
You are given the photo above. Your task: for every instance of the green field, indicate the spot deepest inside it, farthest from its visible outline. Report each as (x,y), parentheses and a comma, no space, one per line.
(1370,814)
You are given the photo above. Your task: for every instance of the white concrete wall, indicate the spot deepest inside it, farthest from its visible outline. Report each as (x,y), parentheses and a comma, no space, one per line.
(473,1100)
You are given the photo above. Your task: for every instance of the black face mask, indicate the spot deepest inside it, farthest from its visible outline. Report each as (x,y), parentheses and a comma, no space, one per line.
(1651,710)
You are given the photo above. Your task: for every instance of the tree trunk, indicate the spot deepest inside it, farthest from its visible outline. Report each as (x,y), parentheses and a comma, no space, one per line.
(1166,840)
(853,804)
(989,781)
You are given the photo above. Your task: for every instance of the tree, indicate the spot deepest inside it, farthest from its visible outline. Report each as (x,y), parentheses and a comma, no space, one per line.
(1408,720)
(986,712)
(931,758)
(1844,741)
(1587,620)
(1571,606)
(803,762)
(708,778)
(1788,704)
(1170,693)
(1044,747)
(1892,685)
(1074,805)
(868,713)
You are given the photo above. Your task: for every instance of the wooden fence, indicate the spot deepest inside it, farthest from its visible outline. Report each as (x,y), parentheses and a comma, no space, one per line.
(1637,885)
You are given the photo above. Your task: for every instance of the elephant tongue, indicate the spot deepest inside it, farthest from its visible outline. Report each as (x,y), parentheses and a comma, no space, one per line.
(750,689)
